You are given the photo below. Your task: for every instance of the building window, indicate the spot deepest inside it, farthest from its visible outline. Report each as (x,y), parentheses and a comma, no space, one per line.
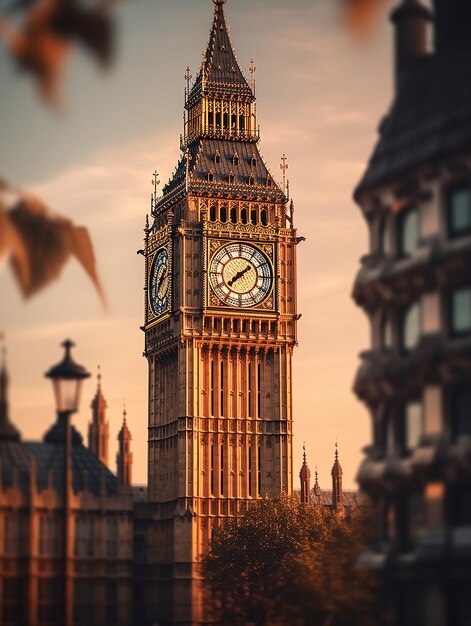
(48,601)
(461,414)
(13,539)
(263,217)
(251,180)
(13,600)
(84,537)
(407,232)
(460,311)
(253,161)
(235,159)
(412,424)
(411,327)
(217,157)
(233,215)
(50,535)
(210,177)
(112,539)
(212,470)
(83,601)
(231,178)
(111,601)
(459,211)
(243,216)
(223,214)
(221,477)
(253,217)
(386,333)
(212,213)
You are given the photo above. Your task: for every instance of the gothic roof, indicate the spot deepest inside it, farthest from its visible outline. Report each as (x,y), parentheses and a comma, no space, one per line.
(203,162)
(430,118)
(221,68)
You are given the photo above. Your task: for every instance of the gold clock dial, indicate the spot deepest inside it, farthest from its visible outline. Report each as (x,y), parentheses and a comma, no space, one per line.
(160,282)
(240,275)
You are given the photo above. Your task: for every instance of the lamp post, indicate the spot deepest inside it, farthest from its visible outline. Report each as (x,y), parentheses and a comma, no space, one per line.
(67,380)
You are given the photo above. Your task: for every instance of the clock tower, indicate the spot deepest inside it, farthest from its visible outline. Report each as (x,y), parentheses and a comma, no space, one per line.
(220,328)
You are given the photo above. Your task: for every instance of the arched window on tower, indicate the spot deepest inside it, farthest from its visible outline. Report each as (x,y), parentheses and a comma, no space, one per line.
(217,157)
(253,161)
(212,213)
(263,217)
(210,176)
(243,216)
(231,178)
(251,180)
(235,159)
(242,123)
(234,215)
(253,217)
(223,214)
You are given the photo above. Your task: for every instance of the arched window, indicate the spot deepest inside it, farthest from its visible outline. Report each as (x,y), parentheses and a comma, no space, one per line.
(233,215)
(243,216)
(226,120)
(233,121)
(210,177)
(218,121)
(269,182)
(231,178)
(212,213)
(223,214)
(410,327)
(217,157)
(251,180)
(211,119)
(407,232)
(242,123)
(235,159)
(263,217)
(253,161)
(253,217)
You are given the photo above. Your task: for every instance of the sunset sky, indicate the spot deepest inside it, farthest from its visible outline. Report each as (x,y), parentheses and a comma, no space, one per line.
(321,95)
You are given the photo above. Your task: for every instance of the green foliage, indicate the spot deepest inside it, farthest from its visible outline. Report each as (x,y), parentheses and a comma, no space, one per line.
(288,563)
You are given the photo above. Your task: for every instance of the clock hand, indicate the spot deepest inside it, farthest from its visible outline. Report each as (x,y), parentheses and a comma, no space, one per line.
(239,275)
(164,274)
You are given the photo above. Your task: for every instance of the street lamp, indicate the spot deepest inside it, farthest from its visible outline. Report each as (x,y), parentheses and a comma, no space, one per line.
(67,379)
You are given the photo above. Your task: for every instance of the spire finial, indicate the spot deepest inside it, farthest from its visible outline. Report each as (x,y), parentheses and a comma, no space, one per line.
(304,452)
(252,70)
(336,451)
(283,167)
(125,413)
(99,377)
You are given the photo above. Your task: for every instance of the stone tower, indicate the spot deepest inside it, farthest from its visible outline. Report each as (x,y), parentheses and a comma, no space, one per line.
(305,478)
(124,456)
(220,328)
(98,428)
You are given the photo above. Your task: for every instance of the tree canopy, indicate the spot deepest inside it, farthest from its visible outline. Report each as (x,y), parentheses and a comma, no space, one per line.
(289,563)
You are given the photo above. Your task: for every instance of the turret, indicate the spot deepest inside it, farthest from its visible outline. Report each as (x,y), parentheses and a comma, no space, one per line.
(305,477)
(98,428)
(7,431)
(337,491)
(411,20)
(124,456)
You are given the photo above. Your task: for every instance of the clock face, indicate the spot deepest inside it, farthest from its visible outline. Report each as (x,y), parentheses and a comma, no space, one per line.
(159,282)
(240,275)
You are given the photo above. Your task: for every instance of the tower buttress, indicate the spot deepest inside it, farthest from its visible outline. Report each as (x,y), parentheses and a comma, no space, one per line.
(98,428)
(337,491)
(124,456)
(305,477)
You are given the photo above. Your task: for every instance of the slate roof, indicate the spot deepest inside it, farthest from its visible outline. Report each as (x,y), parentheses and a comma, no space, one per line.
(221,68)
(429,120)
(203,153)
(16,458)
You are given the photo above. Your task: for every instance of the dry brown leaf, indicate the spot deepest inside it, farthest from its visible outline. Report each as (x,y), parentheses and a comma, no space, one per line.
(48,241)
(41,47)
(361,14)
(11,244)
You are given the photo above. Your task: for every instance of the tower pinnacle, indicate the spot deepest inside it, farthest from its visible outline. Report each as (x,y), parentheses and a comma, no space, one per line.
(98,428)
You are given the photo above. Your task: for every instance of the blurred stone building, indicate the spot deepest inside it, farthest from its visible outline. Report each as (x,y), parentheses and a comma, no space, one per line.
(64,535)
(415,286)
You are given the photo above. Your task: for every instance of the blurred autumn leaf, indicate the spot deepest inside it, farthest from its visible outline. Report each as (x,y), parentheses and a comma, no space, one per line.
(50,30)
(39,243)
(361,14)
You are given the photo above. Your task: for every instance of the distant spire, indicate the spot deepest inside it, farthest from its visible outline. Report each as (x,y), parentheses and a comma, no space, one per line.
(124,456)
(7,431)
(305,478)
(98,428)
(337,490)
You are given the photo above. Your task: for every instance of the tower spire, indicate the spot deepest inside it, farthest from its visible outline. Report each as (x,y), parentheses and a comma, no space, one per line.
(7,431)
(337,491)
(305,477)
(124,456)
(98,428)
